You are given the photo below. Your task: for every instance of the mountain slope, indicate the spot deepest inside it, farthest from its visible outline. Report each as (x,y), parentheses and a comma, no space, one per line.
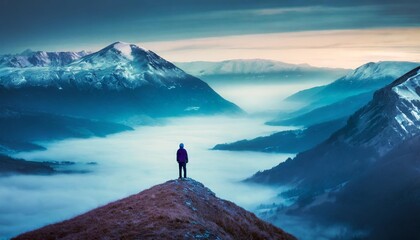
(390,118)
(385,197)
(258,71)
(291,141)
(116,83)
(19,129)
(368,77)
(334,111)
(357,86)
(365,177)
(174,210)
(10,165)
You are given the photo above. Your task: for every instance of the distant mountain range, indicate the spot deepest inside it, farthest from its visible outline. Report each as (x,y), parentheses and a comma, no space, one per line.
(372,159)
(115,83)
(390,118)
(31,58)
(259,71)
(177,209)
(55,95)
(321,122)
(342,97)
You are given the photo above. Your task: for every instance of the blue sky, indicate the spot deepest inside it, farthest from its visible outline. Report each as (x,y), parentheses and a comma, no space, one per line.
(79,24)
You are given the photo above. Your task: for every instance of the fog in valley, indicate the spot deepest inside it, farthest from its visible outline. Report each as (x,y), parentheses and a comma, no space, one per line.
(263,98)
(298,112)
(126,163)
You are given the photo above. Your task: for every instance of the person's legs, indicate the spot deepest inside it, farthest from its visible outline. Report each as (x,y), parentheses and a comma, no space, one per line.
(185,169)
(180,167)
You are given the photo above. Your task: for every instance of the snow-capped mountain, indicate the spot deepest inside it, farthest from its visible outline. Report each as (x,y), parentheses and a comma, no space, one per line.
(354,89)
(177,209)
(123,77)
(389,119)
(120,65)
(368,77)
(241,66)
(372,71)
(261,70)
(125,65)
(366,174)
(40,59)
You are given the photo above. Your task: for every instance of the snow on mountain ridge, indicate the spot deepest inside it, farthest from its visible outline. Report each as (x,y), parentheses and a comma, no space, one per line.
(391,117)
(124,48)
(378,70)
(409,114)
(30,58)
(408,89)
(240,66)
(251,66)
(119,65)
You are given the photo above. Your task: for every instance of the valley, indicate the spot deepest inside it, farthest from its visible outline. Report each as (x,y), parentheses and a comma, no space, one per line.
(315,139)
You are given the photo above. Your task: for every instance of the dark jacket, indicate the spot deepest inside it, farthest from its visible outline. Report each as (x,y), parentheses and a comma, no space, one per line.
(182,155)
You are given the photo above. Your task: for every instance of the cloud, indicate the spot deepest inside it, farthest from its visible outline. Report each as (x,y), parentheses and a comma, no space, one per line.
(332,48)
(67,26)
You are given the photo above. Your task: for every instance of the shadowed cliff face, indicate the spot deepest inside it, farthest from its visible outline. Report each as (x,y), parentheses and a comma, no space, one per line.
(177,209)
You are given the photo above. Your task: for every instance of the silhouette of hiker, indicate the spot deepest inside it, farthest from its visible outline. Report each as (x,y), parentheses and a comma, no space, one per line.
(182,159)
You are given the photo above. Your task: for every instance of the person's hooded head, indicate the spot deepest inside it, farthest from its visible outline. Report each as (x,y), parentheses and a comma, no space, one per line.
(181,145)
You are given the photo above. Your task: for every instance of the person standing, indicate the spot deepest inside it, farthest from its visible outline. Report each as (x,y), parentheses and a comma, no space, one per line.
(182,159)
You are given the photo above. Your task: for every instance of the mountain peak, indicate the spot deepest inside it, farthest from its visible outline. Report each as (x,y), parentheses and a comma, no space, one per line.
(382,69)
(372,159)
(177,209)
(249,67)
(408,88)
(126,49)
(117,53)
(389,118)
(120,42)
(152,83)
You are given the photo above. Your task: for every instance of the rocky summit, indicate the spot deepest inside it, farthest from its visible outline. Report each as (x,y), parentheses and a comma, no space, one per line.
(177,209)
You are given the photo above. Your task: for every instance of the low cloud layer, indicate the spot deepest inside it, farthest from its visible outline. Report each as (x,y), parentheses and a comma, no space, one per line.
(132,161)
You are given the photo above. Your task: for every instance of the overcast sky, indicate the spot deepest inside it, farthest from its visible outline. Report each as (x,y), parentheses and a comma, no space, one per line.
(81,24)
